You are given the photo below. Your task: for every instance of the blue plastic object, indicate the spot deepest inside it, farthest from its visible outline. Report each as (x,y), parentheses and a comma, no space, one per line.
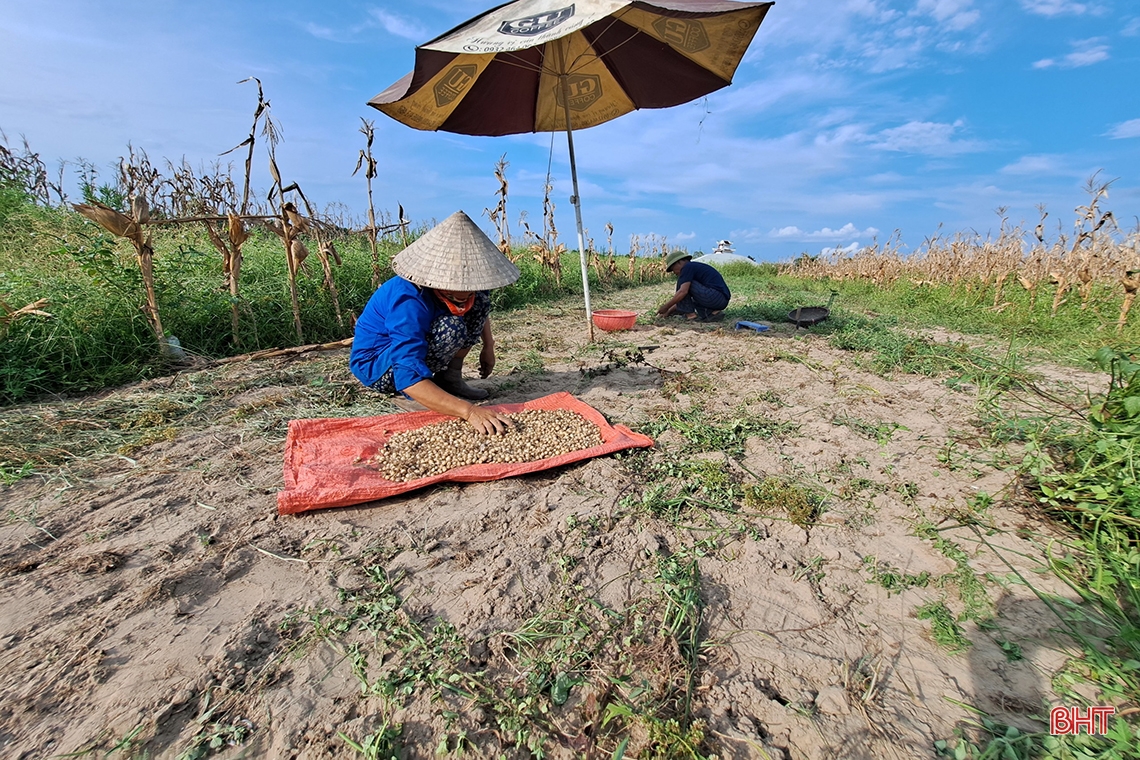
(751,326)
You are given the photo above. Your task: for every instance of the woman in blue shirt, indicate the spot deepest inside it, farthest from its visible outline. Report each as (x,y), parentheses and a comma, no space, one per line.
(419,326)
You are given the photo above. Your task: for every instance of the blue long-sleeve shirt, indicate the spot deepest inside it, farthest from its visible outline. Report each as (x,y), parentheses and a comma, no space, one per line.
(392,333)
(695,271)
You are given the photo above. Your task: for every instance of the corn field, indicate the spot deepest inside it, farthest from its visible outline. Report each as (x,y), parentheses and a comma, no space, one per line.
(1096,257)
(163,262)
(643,262)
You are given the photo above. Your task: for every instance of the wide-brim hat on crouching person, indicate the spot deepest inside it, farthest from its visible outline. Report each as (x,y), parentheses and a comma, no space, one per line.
(674,257)
(455,255)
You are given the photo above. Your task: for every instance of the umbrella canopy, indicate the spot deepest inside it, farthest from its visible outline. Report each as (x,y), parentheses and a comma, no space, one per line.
(552,65)
(499,73)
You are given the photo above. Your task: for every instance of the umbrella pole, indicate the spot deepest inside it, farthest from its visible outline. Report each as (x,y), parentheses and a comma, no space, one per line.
(577,208)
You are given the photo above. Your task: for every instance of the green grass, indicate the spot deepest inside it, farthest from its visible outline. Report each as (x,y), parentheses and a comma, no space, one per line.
(703,431)
(1084,473)
(676,489)
(1080,470)
(944,628)
(642,662)
(971,590)
(97,335)
(864,311)
(383,744)
(893,579)
(880,432)
(983,738)
(780,495)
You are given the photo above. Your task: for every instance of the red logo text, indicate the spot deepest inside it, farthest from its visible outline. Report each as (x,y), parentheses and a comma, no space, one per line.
(1070,720)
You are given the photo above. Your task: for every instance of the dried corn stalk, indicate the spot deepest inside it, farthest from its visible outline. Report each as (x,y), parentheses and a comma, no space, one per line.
(326,251)
(634,249)
(1131,283)
(498,214)
(1062,286)
(1097,253)
(10,315)
(366,160)
(131,228)
(1085,288)
(228,240)
(435,449)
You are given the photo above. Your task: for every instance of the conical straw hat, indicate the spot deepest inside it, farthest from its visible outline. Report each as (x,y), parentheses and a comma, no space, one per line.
(455,255)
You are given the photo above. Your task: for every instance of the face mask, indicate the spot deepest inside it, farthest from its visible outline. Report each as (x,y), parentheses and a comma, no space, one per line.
(457,309)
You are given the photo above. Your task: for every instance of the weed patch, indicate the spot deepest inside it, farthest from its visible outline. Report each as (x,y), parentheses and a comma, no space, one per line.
(880,432)
(705,432)
(775,495)
(1081,469)
(944,628)
(895,581)
(629,672)
(976,603)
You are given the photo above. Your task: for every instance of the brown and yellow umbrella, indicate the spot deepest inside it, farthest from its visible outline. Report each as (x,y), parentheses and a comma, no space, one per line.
(553,65)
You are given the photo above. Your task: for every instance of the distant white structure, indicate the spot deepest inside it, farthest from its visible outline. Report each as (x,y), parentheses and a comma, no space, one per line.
(724,254)
(725,258)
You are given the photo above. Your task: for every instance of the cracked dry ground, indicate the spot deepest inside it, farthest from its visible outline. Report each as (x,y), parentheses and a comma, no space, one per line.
(149,586)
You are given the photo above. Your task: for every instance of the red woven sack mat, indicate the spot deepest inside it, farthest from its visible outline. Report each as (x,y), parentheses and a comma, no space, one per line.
(324,458)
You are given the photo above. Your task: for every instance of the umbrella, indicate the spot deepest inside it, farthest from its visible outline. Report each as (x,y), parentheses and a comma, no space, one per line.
(553,65)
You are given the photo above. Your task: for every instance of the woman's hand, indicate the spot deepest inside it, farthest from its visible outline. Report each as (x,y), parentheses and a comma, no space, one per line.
(438,400)
(487,422)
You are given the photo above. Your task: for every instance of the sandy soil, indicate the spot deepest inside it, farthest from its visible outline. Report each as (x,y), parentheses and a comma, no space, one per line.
(153,600)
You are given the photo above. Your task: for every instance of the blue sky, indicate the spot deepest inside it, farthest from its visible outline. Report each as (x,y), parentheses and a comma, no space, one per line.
(847,120)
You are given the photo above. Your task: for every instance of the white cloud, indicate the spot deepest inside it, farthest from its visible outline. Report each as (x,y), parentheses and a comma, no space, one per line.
(1053,8)
(680,236)
(1085,53)
(955,15)
(847,249)
(870,35)
(926,137)
(1126,129)
(783,90)
(399,26)
(1033,165)
(320,32)
(1132,28)
(752,235)
(846,232)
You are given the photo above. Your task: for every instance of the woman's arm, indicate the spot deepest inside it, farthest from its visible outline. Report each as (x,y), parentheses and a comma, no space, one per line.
(438,400)
(487,352)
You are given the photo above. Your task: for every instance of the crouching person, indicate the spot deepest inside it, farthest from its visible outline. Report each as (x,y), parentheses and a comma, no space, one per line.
(701,291)
(418,327)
